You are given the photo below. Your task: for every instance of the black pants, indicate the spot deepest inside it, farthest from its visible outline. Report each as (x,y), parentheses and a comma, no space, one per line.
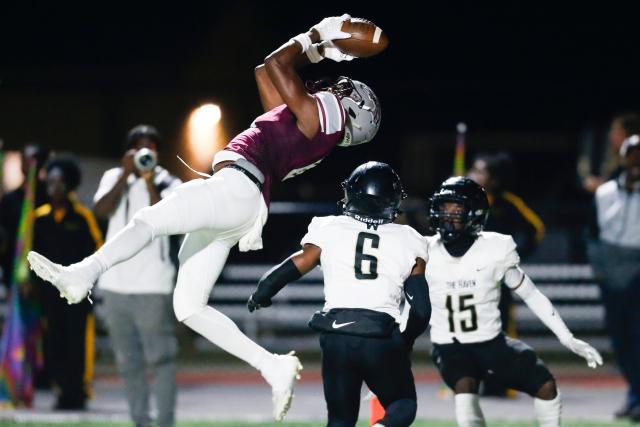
(512,363)
(622,315)
(491,386)
(65,347)
(382,363)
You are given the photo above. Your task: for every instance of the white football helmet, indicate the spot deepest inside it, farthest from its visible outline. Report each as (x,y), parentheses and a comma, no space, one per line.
(362,110)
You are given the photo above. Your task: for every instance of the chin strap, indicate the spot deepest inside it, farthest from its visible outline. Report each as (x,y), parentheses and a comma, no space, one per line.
(202,174)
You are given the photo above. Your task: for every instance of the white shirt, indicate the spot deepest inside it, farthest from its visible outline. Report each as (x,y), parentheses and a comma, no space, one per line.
(364,268)
(151,270)
(619,213)
(465,291)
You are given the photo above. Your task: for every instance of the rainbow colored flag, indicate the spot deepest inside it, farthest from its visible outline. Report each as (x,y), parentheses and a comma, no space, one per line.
(459,168)
(21,343)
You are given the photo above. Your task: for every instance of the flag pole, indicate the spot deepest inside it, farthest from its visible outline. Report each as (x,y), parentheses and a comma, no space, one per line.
(459,168)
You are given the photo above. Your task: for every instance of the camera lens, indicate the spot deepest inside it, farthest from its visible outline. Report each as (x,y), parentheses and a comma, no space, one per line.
(145,159)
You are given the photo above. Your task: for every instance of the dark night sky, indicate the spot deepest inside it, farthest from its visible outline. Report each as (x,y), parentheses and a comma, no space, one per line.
(522,67)
(447,59)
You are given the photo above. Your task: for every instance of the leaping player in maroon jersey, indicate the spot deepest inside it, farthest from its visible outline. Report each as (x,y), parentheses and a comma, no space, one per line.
(297,131)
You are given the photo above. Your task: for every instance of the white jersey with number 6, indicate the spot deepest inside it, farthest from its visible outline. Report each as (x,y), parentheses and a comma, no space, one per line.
(363,267)
(465,291)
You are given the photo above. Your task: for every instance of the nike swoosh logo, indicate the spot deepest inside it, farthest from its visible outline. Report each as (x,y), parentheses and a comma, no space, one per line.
(410,297)
(336,325)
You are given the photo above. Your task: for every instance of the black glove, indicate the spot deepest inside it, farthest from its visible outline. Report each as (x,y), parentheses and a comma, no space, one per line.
(253,305)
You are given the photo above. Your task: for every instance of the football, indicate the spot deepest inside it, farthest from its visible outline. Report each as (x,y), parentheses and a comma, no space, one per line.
(367,39)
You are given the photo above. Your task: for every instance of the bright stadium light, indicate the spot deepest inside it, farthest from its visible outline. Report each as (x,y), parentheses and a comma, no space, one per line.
(207,115)
(204,135)
(12,171)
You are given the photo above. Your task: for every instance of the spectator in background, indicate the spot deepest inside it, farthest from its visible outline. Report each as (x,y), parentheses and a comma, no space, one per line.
(137,292)
(599,160)
(508,214)
(10,212)
(615,255)
(11,206)
(66,232)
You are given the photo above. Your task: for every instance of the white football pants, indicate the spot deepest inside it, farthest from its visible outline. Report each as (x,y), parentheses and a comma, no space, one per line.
(214,213)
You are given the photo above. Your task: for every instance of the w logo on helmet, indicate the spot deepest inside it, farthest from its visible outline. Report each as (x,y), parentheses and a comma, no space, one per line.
(363,112)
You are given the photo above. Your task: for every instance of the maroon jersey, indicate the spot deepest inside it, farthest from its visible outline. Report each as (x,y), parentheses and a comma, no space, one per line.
(280,150)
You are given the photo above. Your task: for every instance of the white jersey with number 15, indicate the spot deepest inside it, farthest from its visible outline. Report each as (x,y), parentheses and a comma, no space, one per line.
(465,291)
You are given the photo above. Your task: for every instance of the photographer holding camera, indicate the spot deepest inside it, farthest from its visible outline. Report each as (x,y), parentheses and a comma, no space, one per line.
(137,293)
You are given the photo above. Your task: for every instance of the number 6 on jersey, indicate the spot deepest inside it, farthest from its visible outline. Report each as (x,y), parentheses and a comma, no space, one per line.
(361,256)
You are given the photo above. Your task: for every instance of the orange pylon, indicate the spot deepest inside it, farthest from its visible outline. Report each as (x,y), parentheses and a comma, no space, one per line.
(376,411)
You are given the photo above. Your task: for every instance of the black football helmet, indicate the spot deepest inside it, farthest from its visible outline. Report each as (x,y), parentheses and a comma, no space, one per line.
(372,194)
(471,196)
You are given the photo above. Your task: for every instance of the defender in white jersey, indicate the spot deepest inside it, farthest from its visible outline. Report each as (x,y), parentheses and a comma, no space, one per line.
(466,269)
(368,263)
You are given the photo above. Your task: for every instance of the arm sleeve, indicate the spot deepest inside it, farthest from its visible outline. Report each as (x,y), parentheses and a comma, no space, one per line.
(416,291)
(274,280)
(542,307)
(107,182)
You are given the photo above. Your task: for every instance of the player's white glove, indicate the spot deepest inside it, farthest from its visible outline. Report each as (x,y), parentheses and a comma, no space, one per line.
(330,51)
(585,351)
(75,294)
(330,28)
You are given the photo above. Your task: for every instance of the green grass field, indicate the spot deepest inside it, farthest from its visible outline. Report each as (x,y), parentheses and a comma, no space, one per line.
(421,423)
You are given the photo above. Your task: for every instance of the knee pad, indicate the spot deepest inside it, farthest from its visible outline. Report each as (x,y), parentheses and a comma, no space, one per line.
(400,413)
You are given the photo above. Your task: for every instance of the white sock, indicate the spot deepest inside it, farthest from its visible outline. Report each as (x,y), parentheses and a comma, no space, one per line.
(220,330)
(468,411)
(548,411)
(124,245)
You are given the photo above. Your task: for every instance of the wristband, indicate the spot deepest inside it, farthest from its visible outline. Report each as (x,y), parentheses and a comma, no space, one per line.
(313,54)
(304,40)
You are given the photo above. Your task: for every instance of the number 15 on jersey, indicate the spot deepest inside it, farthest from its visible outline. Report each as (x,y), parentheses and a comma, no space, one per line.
(458,304)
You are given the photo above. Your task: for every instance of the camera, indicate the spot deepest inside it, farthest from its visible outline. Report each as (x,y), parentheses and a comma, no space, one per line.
(145,159)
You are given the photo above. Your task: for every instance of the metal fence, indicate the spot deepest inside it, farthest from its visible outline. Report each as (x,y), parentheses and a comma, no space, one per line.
(283,326)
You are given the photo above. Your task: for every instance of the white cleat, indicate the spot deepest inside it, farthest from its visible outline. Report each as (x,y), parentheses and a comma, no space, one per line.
(282,375)
(70,284)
